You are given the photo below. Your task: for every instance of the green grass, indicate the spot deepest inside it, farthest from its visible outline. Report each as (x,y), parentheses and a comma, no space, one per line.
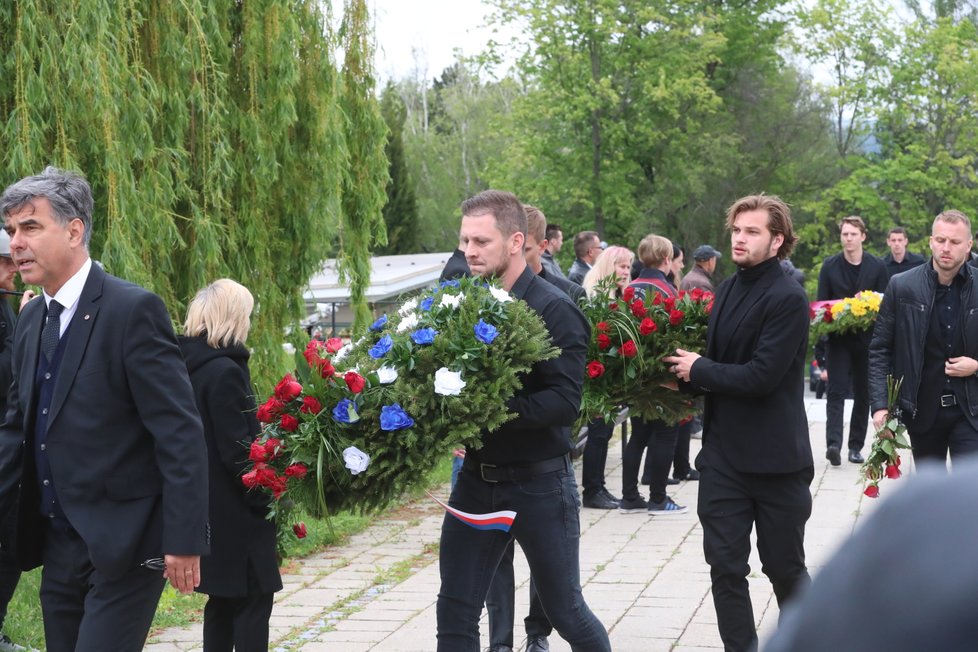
(24,626)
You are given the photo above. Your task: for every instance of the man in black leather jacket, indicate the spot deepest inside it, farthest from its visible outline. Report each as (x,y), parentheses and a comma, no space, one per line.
(927,334)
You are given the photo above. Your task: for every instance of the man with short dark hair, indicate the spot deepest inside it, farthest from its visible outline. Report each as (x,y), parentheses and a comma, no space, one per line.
(587,248)
(756,462)
(96,361)
(847,356)
(554,237)
(899,259)
(938,398)
(701,276)
(524,465)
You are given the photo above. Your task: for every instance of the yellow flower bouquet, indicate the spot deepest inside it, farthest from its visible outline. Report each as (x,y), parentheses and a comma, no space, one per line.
(849,315)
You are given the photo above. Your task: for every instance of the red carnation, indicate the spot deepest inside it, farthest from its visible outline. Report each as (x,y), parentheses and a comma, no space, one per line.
(628,349)
(333,345)
(300,530)
(893,471)
(257,452)
(603,341)
(648,326)
(310,405)
(628,294)
(297,470)
(287,389)
(602,326)
(289,423)
(676,316)
(269,410)
(354,381)
(639,309)
(872,491)
(595,369)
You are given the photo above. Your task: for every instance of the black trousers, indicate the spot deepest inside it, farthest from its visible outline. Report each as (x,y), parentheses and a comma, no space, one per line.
(83,610)
(501,605)
(951,432)
(595,456)
(680,458)
(731,503)
(847,359)
(660,440)
(9,568)
(240,624)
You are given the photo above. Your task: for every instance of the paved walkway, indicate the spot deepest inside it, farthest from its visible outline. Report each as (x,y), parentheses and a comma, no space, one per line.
(644,577)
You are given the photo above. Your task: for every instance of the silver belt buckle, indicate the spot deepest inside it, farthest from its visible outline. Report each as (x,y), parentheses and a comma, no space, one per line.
(947,400)
(482,472)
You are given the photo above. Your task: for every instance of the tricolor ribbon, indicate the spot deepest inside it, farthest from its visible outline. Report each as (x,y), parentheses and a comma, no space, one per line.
(501,521)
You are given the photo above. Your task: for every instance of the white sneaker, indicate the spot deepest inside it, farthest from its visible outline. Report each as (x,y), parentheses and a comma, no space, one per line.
(6,645)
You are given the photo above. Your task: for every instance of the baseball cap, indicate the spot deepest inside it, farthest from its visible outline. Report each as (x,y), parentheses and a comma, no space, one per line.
(4,244)
(706,252)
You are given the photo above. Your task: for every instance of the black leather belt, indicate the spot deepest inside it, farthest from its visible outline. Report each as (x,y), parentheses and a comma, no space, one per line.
(948,400)
(516,472)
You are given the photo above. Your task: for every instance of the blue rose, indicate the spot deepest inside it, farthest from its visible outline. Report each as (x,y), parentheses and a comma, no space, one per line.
(485,333)
(424,336)
(380,349)
(392,417)
(378,325)
(452,283)
(426,303)
(345,412)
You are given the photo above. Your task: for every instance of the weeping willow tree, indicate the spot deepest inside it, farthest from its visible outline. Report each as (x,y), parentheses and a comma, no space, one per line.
(212,133)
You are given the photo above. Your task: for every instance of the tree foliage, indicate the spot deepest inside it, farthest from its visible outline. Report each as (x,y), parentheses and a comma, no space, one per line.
(210,131)
(401,209)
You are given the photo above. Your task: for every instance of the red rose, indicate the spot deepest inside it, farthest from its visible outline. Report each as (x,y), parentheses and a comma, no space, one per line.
(648,326)
(602,326)
(827,316)
(696,294)
(613,305)
(595,369)
(893,471)
(297,471)
(682,293)
(287,389)
(257,452)
(872,491)
(326,369)
(264,476)
(289,423)
(354,381)
(676,316)
(669,304)
(333,345)
(897,461)
(628,349)
(277,485)
(310,405)
(709,306)
(269,410)
(300,530)
(628,294)
(639,309)
(657,299)
(311,354)
(603,341)
(250,479)
(273,447)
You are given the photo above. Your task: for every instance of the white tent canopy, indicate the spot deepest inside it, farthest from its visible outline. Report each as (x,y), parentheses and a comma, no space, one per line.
(390,276)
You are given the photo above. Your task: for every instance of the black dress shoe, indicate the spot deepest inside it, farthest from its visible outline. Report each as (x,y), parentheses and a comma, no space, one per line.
(500,648)
(833,456)
(600,500)
(672,481)
(537,644)
(855,456)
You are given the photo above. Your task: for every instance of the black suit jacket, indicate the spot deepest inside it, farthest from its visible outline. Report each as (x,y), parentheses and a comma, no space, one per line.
(124,440)
(832,282)
(754,412)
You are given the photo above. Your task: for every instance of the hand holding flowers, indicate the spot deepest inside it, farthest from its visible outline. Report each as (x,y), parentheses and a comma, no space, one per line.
(884,460)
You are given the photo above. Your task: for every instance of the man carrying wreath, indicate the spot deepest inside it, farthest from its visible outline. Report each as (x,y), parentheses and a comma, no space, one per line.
(524,466)
(756,462)
(927,335)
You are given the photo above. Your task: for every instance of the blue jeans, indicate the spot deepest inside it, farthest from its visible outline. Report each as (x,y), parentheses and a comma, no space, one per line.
(547,528)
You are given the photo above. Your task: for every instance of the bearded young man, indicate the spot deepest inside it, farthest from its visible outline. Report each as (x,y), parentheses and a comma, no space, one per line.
(927,334)
(756,462)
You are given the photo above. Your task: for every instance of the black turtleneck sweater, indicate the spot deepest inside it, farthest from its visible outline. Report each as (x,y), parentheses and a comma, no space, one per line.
(734,308)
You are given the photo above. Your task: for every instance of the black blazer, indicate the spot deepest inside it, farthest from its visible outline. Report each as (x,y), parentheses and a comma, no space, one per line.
(242,538)
(831,281)
(754,412)
(124,440)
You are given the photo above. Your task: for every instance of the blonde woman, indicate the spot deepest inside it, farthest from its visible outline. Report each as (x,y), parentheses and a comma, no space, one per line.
(615,261)
(241,574)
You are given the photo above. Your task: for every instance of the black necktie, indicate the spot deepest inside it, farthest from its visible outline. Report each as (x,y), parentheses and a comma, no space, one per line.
(51,332)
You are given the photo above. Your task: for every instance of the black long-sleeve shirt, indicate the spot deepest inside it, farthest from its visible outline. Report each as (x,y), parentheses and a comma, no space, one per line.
(551,395)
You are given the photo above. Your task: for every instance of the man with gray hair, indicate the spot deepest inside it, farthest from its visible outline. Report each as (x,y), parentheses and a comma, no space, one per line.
(101,435)
(926,334)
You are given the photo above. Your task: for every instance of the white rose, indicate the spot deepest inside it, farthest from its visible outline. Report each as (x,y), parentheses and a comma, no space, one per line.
(386,375)
(448,383)
(453,300)
(502,296)
(408,306)
(355,459)
(407,323)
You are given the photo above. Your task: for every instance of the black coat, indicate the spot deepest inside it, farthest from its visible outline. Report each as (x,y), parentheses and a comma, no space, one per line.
(754,395)
(241,536)
(832,281)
